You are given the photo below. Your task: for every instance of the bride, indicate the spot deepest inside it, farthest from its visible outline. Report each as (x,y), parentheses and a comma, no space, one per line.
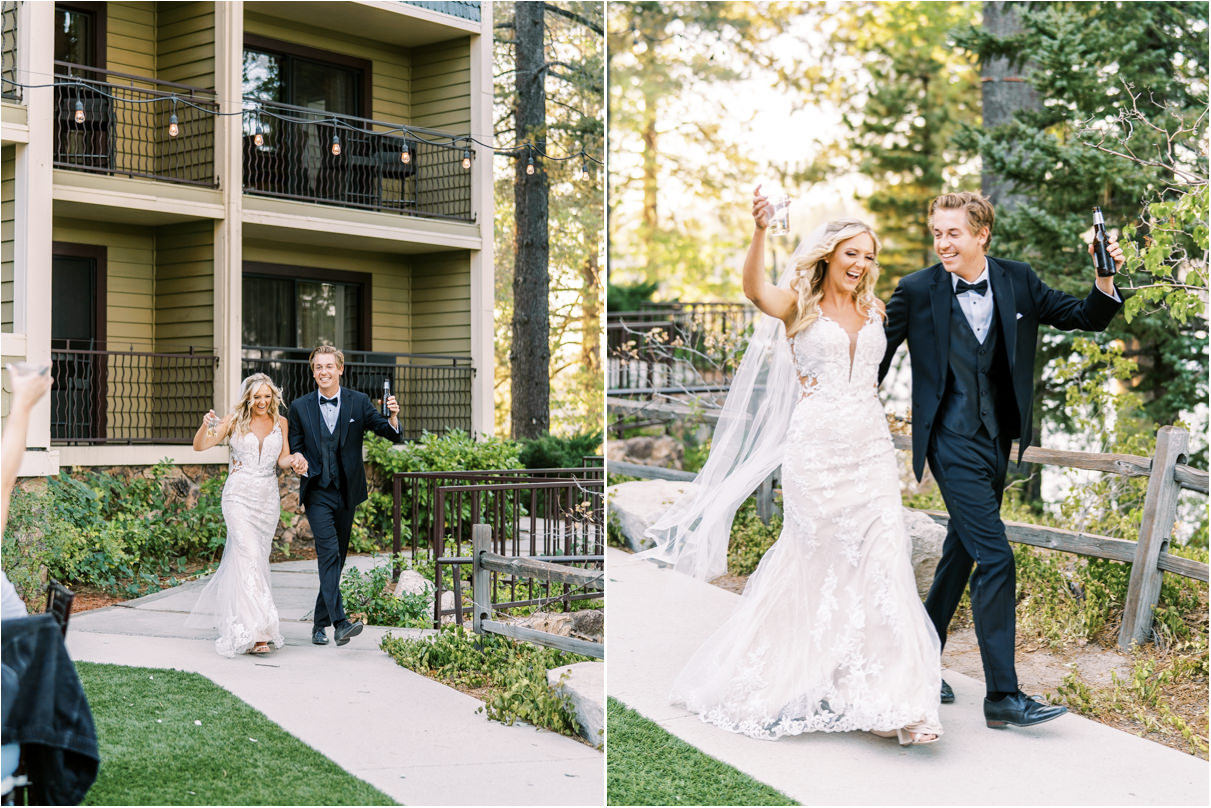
(831,635)
(238,600)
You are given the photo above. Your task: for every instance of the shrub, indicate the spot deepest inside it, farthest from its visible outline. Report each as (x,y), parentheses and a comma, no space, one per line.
(553,452)
(515,673)
(371,596)
(125,537)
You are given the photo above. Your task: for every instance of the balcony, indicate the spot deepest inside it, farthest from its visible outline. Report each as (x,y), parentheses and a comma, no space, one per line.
(433,391)
(104,396)
(309,156)
(122,127)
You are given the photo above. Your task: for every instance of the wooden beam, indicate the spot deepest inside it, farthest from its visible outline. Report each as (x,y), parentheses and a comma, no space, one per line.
(649,472)
(542,570)
(583,647)
(1054,538)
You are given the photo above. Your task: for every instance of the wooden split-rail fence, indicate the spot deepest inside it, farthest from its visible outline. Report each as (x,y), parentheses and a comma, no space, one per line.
(484,562)
(1168,475)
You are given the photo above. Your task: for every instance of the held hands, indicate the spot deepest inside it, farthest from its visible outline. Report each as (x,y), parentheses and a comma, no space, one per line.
(298,464)
(763,211)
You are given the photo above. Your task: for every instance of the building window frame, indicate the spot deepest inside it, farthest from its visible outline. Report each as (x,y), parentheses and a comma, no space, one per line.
(99,12)
(363,280)
(364,67)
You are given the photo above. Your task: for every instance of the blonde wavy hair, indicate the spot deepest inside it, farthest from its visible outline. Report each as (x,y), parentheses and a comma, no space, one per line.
(243,408)
(809,271)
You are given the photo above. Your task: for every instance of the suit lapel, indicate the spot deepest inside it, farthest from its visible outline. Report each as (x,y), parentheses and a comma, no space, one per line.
(939,299)
(342,420)
(1005,302)
(321,427)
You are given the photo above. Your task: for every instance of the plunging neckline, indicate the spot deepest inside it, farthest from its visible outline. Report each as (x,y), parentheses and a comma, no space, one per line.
(260,445)
(854,336)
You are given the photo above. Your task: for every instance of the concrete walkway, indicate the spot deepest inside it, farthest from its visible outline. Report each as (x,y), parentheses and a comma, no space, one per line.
(656,618)
(418,741)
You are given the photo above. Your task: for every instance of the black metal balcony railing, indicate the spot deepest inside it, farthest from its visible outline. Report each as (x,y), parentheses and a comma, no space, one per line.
(127,397)
(123,128)
(8,41)
(421,174)
(676,346)
(433,391)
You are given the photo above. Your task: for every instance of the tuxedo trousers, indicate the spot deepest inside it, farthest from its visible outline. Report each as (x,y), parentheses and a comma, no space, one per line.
(331,524)
(970,472)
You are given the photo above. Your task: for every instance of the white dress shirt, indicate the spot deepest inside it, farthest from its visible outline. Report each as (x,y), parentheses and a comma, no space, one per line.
(328,412)
(977,308)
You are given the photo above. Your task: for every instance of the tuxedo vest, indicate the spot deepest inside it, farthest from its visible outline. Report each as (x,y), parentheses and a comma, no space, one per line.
(330,475)
(972,386)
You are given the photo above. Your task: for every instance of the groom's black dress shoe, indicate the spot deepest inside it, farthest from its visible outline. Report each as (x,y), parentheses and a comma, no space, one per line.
(948,695)
(318,637)
(347,629)
(1019,710)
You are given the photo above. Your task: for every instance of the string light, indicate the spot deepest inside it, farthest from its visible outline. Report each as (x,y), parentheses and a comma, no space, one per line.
(259,133)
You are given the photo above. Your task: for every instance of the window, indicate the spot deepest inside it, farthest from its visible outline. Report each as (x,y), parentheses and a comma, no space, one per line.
(305,77)
(291,307)
(77,330)
(80,33)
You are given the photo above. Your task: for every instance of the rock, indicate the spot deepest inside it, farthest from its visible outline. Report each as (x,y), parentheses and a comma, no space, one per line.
(648,451)
(412,582)
(589,624)
(448,604)
(634,506)
(584,683)
(927,538)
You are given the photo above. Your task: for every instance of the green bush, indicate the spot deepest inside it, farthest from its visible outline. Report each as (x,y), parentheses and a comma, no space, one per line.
(750,539)
(553,452)
(515,673)
(371,596)
(452,451)
(124,537)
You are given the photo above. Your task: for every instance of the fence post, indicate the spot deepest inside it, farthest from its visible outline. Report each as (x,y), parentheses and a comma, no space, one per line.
(1156,528)
(481,583)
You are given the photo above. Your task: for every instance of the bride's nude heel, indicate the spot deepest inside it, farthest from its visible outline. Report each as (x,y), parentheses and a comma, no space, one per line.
(912,735)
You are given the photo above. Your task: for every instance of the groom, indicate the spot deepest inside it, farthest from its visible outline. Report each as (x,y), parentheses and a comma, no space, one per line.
(972,323)
(326,430)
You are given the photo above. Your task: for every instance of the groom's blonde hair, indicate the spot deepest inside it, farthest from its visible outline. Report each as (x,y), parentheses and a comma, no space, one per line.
(326,349)
(980,213)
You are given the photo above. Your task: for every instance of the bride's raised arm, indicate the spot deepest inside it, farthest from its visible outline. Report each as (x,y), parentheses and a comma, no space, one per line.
(772,300)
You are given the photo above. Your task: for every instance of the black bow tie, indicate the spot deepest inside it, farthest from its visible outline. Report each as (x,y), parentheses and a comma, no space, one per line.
(333,400)
(963,286)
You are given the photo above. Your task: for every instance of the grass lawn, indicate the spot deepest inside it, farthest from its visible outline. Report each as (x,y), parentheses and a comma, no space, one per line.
(647,766)
(154,751)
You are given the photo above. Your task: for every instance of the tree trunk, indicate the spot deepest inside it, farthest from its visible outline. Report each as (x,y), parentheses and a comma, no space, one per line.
(530,356)
(1004,92)
(590,352)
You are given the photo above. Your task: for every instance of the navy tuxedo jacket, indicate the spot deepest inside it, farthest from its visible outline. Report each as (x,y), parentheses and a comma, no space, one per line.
(357,415)
(919,311)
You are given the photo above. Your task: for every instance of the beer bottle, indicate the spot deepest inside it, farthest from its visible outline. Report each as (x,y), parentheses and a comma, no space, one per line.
(1101,256)
(386,393)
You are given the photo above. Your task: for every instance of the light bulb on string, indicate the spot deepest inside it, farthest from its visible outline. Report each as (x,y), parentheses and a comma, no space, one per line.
(584,171)
(336,146)
(530,164)
(405,156)
(467,159)
(79,111)
(174,128)
(258,136)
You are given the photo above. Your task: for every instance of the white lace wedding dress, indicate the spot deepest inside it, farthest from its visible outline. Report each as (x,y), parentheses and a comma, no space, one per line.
(830,635)
(238,600)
